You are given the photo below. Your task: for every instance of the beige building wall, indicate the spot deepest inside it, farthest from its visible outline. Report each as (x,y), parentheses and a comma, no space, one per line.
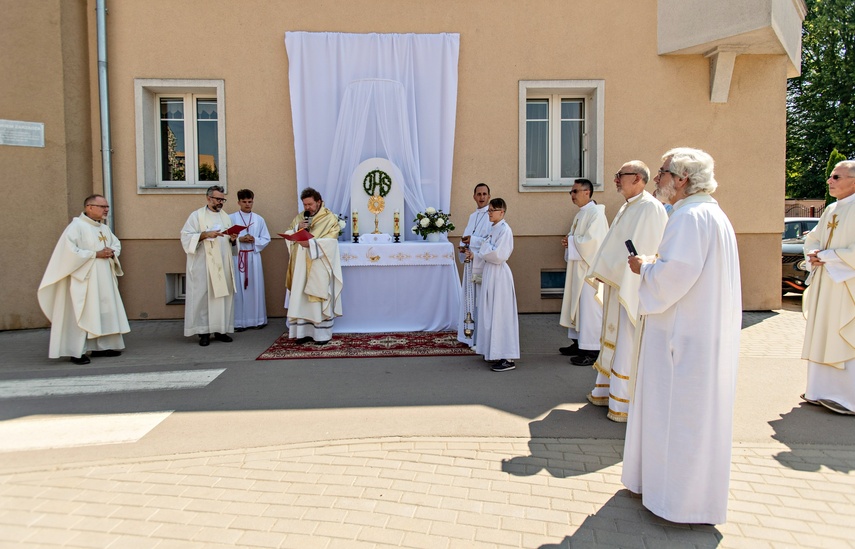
(44,66)
(652,103)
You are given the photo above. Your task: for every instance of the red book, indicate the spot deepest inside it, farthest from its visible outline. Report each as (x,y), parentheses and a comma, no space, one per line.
(299,236)
(234,229)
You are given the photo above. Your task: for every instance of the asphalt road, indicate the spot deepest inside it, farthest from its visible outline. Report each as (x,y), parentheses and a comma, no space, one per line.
(228,400)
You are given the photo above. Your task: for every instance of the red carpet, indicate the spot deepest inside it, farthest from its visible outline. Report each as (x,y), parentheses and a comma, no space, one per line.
(370,346)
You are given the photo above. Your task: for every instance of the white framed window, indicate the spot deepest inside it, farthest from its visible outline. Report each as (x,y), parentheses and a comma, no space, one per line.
(560,133)
(180,134)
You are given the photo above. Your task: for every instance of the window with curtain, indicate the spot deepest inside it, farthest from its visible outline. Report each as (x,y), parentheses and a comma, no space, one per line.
(560,133)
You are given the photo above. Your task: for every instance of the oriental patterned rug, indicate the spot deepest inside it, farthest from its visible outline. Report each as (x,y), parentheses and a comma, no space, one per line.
(399,344)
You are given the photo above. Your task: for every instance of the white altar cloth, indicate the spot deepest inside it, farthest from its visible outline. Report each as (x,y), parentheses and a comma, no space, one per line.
(406,287)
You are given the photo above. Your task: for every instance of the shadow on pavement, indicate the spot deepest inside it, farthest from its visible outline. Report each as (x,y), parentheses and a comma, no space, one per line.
(623,522)
(563,458)
(807,457)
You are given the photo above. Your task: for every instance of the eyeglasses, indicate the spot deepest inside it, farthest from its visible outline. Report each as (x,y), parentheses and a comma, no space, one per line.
(838,176)
(220,200)
(98,206)
(621,174)
(663,171)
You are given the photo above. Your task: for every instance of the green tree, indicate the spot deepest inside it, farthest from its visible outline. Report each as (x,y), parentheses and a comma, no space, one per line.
(833,159)
(821,102)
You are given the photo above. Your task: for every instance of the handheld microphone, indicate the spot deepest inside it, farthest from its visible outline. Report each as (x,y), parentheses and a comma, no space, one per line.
(630,248)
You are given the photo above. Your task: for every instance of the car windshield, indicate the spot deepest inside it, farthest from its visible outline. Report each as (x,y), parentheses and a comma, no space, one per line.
(798,229)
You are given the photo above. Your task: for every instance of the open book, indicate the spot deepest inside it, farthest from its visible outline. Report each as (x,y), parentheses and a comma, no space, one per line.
(234,229)
(299,236)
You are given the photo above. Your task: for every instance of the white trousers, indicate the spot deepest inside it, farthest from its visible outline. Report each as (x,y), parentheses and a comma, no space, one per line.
(590,320)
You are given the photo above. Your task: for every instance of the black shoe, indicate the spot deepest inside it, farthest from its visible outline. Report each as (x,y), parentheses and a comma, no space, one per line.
(586,359)
(83,359)
(571,350)
(239,330)
(302,340)
(205,340)
(260,326)
(504,366)
(223,337)
(108,352)
(322,342)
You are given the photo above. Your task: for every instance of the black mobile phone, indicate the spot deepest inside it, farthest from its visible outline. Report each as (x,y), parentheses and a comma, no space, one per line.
(630,248)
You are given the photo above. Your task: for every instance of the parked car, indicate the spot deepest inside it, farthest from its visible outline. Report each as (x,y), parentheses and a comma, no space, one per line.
(794,268)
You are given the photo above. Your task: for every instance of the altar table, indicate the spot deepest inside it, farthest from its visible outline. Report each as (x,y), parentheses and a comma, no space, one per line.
(405,287)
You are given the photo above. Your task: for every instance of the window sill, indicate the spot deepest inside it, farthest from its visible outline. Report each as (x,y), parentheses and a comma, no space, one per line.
(187,189)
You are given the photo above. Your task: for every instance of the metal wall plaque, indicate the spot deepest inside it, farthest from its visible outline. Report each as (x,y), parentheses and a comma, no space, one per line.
(22,134)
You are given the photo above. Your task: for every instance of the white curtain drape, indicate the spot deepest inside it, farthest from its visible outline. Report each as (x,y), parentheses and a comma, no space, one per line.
(359,96)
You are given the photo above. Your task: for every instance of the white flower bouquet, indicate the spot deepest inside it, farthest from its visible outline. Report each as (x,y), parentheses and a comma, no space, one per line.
(432,221)
(342,224)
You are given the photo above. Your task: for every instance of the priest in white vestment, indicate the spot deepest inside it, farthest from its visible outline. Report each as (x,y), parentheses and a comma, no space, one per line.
(314,278)
(499,333)
(476,232)
(828,303)
(250,307)
(642,219)
(581,308)
(79,292)
(209,302)
(677,451)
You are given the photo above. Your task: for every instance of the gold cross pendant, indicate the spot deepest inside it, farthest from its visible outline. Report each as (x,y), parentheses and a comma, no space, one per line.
(831,225)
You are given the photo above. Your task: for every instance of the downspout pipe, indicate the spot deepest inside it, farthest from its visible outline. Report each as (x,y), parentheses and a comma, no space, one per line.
(104,104)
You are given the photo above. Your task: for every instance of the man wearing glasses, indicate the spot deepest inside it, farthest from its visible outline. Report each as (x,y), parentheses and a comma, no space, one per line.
(642,220)
(581,311)
(209,305)
(677,452)
(79,292)
(829,344)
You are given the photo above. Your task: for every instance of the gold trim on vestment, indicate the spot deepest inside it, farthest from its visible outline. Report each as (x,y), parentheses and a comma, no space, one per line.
(620,376)
(598,367)
(624,400)
(608,345)
(617,417)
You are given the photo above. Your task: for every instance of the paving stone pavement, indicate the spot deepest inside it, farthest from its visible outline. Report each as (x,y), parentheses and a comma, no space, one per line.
(420,492)
(423,493)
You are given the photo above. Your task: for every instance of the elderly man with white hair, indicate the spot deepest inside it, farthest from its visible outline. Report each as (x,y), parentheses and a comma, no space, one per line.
(829,344)
(679,435)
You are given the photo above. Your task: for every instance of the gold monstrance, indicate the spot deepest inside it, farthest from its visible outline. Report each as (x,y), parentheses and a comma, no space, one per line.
(376,203)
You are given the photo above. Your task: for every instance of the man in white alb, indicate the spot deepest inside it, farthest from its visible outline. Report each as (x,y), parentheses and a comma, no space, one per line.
(476,232)
(79,292)
(581,309)
(642,220)
(314,278)
(250,309)
(209,305)
(828,302)
(678,440)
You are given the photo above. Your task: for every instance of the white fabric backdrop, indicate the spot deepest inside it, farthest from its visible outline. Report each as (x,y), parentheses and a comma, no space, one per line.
(358,96)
